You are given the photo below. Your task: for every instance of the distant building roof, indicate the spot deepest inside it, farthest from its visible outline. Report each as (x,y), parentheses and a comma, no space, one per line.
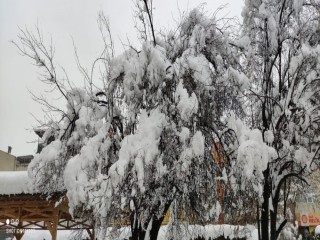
(25,159)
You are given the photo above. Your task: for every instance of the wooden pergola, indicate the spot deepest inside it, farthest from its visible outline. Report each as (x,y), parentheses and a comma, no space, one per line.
(23,212)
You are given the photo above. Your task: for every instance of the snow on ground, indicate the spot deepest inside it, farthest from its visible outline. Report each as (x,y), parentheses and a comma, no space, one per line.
(14,182)
(192,232)
(45,235)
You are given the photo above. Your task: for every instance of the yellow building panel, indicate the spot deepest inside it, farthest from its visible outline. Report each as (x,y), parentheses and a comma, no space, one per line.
(7,161)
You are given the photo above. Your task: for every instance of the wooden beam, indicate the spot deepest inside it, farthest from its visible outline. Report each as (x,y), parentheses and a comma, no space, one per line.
(53,225)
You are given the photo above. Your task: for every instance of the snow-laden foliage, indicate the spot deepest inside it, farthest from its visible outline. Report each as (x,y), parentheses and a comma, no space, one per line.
(131,149)
(281,58)
(83,120)
(253,155)
(213,122)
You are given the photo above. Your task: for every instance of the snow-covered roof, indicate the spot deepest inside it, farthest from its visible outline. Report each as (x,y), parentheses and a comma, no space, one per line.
(25,159)
(14,182)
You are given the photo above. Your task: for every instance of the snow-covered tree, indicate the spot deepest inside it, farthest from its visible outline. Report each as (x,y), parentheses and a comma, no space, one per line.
(277,145)
(192,109)
(314,183)
(143,141)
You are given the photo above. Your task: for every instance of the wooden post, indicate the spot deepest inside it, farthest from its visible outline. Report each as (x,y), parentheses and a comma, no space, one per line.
(53,225)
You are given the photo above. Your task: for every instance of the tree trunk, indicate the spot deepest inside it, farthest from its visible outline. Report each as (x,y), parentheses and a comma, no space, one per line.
(258,220)
(139,232)
(265,206)
(273,225)
(273,214)
(142,232)
(134,226)
(156,224)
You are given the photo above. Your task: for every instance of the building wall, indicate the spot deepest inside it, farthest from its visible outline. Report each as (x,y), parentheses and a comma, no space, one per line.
(7,161)
(21,167)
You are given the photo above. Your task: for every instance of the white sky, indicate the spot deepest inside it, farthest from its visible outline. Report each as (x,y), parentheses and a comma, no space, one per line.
(64,20)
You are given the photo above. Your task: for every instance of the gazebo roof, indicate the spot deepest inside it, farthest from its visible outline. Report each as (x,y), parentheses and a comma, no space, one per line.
(15,182)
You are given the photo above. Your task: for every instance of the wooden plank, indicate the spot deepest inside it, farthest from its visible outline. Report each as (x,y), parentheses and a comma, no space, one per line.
(55,221)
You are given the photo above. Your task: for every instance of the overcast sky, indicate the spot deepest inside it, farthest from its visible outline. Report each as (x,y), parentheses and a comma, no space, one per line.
(64,20)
